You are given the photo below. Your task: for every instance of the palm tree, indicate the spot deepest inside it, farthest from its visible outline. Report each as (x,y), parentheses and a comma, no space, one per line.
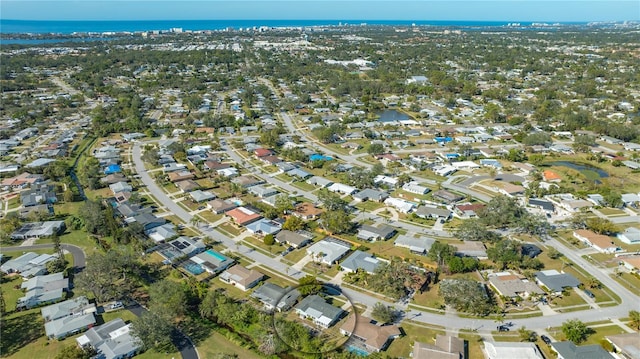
(634,319)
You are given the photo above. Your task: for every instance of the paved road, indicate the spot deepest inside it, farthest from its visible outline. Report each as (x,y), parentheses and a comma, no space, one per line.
(79,260)
(182,342)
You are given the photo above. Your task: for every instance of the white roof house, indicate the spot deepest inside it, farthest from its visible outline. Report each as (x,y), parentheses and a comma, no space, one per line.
(342,188)
(111,340)
(415,187)
(630,235)
(329,250)
(400,204)
(419,245)
(510,350)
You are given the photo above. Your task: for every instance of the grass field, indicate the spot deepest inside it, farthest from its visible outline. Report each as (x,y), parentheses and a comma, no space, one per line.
(216,344)
(401,347)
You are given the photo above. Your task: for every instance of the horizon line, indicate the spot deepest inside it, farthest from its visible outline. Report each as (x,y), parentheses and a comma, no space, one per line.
(341,20)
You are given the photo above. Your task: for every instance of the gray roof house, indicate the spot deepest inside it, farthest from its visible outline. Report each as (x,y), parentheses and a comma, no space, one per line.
(371,233)
(556,281)
(120,187)
(262,192)
(420,245)
(39,229)
(275,297)
(433,212)
(294,239)
(447,196)
(28,264)
(296,172)
(371,194)
(319,311)
(38,194)
(415,187)
(63,327)
(45,289)
(219,206)
(149,221)
(162,233)
(568,350)
(72,307)
(264,226)
(329,249)
(360,260)
(201,196)
(111,340)
(319,181)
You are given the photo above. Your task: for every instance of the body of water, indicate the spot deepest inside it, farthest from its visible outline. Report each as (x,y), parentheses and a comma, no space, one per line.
(38,41)
(591,172)
(70,27)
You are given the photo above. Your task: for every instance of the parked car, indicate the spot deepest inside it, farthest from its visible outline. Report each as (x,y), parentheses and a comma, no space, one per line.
(503,328)
(116,305)
(545,339)
(589,293)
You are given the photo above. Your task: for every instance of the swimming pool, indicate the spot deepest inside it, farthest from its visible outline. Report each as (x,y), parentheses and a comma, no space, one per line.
(216,255)
(193,268)
(358,351)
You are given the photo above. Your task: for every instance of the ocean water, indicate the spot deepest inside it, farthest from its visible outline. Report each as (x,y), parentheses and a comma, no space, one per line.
(70,27)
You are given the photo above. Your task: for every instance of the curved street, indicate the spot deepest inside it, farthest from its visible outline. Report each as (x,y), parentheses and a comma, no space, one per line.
(79,258)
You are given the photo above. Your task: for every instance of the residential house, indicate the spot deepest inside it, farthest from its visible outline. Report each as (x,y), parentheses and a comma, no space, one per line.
(446,196)
(113,178)
(148,221)
(23,180)
(128,210)
(631,263)
(446,347)
(210,261)
(247,181)
(28,265)
(433,213)
(243,216)
(510,189)
(64,327)
(241,277)
(43,289)
(111,340)
(201,196)
(385,180)
(630,235)
(371,233)
(293,239)
(42,210)
(72,307)
(630,199)
(162,233)
(40,193)
(416,188)
(228,172)
(274,297)
(471,249)
(319,181)
(39,230)
(319,311)
(371,194)
(262,152)
(263,192)
(510,350)
(568,350)
(601,243)
(627,345)
(544,205)
(119,187)
(186,186)
(374,338)
(187,246)
(342,188)
(550,176)
(420,245)
(510,285)
(360,260)
(178,176)
(555,281)
(468,210)
(307,211)
(329,250)
(219,206)
(400,204)
(264,227)
(171,167)
(298,173)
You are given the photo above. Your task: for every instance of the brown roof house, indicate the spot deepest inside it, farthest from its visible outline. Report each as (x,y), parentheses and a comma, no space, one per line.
(307,211)
(243,216)
(180,176)
(446,347)
(602,243)
(241,277)
(374,338)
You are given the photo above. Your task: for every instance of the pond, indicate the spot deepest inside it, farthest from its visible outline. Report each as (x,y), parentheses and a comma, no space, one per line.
(591,172)
(392,116)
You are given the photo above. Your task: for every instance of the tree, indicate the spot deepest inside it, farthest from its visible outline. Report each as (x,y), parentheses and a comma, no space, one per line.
(375,149)
(269,240)
(89,173)
(466,296)
(93,217)
(441,252)
(502,211)
(383,314)
(293,223)
(553,253)
(154,331)
(593,283)
(336,221)
(634,319)
(308,285)
(168,297)
(269,138)
(474,229)
(331,201)
(527,335)
(575,330)
(108,275)
(283,204)
(505,254)
(68,195)
(601,225)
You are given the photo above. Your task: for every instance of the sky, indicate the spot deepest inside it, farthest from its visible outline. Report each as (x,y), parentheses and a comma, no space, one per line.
(469,10)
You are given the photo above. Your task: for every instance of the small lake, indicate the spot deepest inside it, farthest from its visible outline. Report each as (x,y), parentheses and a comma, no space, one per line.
(392,116)
(591,172)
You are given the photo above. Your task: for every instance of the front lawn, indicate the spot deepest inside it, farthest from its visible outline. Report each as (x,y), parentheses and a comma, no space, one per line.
(216,343)
(401,347)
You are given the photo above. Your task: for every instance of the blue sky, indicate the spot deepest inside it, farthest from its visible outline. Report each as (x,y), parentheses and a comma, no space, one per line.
(480,10)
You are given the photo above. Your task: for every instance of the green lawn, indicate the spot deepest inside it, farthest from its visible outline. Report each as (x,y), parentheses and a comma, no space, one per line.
(629,281)
(296,255)
(67,207)
(303,186)
(401,347)
(230,228)
(568,300)
(217,343)
(475,344)
(429,298)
